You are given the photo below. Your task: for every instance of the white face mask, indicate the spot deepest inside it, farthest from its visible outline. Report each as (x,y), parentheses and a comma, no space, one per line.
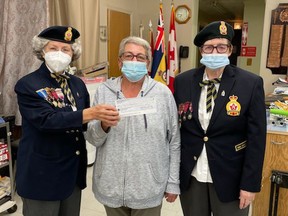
(57,61)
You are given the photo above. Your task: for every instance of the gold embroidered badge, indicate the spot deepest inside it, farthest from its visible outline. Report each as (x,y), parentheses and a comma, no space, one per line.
(68,34)
(240,146)
(223,28)
(233,108)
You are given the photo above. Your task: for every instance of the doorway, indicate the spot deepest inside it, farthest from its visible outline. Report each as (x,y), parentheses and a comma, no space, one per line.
(118,28)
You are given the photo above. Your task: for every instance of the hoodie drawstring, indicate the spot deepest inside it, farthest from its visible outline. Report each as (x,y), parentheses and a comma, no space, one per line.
(145,118)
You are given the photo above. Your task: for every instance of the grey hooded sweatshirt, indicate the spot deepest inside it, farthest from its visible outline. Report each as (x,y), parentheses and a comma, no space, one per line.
(137,160)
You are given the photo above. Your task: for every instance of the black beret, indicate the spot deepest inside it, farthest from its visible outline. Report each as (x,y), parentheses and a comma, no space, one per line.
(65,34)
(218,29)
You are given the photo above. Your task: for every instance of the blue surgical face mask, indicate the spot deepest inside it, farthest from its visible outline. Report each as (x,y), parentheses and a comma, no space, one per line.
(134,70)
(215,61)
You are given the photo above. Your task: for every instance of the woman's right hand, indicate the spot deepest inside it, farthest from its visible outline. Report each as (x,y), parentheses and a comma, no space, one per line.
(107,114)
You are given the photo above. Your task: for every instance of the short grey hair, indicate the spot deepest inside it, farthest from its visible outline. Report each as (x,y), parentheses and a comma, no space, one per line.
(39,43)
(138,41)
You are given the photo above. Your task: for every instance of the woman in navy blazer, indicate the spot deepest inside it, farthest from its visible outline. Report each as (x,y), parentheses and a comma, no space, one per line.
(223,130)
(52,156)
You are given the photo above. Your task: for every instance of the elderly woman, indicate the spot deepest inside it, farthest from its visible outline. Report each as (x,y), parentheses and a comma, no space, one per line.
(52,157)
(223,134)
(137,161)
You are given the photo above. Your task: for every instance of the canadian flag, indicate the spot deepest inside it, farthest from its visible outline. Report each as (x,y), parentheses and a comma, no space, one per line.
(172,64)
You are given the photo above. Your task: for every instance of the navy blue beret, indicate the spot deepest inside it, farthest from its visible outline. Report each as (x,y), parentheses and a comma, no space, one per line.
(217,29)
(65,34)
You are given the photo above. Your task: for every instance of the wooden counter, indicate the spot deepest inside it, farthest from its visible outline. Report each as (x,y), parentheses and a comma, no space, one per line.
(276,158)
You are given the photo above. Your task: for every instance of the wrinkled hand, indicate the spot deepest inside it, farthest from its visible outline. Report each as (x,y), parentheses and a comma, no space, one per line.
(107,114)
(246,198)
(170,197)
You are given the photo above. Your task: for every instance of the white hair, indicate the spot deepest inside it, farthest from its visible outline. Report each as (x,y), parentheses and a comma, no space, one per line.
(38,45)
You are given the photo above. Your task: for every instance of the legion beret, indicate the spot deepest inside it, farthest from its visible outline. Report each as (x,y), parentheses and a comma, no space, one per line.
(217,29)
(65,34)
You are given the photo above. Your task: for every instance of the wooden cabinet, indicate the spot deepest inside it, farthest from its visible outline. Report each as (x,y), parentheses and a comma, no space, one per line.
(276,158)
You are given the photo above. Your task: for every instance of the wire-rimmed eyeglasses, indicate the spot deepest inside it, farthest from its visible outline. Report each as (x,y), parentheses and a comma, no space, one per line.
(129,56)
(221,48)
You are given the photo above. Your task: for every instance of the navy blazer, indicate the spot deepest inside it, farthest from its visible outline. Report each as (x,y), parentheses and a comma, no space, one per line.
(235,145)
(52,155)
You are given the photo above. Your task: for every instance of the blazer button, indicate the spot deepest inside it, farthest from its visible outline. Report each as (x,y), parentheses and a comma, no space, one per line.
(77,152)
(195,158)
(205,139)
(77,139)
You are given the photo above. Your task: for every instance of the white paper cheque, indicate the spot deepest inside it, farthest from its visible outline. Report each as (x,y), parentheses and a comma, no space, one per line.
(136,106)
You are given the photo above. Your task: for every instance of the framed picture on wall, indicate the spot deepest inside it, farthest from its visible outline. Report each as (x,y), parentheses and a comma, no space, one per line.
(277,59)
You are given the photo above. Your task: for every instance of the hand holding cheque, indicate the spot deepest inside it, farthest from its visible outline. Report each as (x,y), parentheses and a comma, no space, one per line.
(107,114)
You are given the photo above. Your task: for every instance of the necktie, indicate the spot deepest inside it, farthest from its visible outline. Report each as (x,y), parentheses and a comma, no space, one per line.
(211,91)
(62,80)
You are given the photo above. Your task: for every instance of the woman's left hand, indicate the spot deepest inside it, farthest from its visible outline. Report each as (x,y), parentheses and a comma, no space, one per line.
(170,197)
(246,198)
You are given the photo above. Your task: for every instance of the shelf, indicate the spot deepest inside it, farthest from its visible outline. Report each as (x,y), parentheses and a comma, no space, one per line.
(4,164)
(8,205)
(7,202)
(4,199)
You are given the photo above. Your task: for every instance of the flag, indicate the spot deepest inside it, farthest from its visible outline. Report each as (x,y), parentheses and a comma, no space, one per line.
(172,65)
(151,41)
(158,71)
(151,37)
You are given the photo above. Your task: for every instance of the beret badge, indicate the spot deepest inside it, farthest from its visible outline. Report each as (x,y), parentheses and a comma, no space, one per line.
(68,34)
(223,28)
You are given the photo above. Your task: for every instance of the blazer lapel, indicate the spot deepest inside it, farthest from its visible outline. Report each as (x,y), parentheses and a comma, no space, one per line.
(226,85)
(195,91)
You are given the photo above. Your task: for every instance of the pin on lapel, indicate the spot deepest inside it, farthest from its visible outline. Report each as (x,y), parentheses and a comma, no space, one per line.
(77,94)
(223,93)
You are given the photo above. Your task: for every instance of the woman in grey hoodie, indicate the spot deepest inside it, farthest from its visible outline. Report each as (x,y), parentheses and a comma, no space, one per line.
(137,159)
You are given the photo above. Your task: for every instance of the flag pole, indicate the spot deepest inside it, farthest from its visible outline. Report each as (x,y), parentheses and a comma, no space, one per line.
(141,28)
(151,42)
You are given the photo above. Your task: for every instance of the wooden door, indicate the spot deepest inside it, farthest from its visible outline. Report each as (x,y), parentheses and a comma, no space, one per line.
(118,28)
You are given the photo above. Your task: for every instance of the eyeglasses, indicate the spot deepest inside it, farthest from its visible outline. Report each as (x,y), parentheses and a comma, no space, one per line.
(129,56)
(221,48)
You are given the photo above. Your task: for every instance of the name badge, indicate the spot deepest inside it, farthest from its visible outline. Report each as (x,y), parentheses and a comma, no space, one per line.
(240,146)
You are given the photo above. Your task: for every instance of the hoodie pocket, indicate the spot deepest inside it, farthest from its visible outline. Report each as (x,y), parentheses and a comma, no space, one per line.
(145,180)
